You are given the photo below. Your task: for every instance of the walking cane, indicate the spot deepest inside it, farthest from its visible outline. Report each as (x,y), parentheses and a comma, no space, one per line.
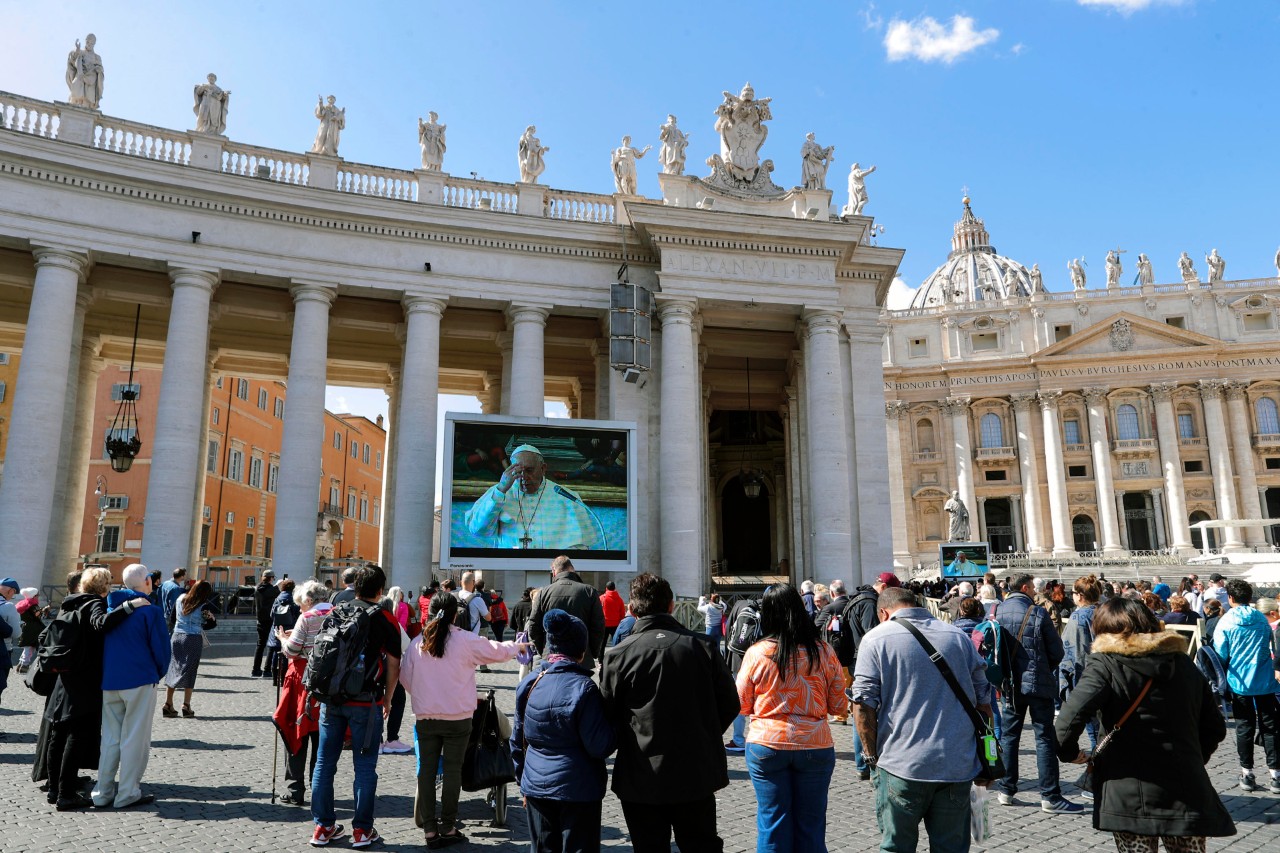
(275,752)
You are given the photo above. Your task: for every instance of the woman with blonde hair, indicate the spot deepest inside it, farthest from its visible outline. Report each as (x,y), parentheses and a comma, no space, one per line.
(297,715)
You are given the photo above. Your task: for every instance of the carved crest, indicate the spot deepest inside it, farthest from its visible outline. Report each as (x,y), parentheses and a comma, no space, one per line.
(740,124)
(1121,335)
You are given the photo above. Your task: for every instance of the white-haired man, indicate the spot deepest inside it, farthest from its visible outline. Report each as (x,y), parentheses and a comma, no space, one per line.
(539,515)
(135,657)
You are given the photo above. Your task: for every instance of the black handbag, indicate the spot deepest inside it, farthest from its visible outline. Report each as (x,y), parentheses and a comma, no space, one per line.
(1086,780)
(487,761)
(985,742)
(208,621)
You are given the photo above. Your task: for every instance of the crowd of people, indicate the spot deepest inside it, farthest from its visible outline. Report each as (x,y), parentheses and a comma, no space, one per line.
(624,678)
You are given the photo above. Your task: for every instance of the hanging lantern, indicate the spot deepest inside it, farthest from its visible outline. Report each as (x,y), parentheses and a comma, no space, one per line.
(750,480)
(123,442)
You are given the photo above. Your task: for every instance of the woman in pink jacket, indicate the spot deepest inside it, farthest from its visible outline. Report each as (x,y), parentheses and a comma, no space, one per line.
(439,673)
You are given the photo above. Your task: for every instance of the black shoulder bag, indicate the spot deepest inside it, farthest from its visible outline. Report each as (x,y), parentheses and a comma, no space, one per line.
(985,742)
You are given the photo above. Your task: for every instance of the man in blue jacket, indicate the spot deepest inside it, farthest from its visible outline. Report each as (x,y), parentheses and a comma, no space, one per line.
(1243,641)
(1037,651)
(135,657)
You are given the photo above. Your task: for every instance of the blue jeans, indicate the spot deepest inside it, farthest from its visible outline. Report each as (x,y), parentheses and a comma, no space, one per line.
(791,792)
(366,737)
(740,729)
(858,760)
(902,803)
(1013,712)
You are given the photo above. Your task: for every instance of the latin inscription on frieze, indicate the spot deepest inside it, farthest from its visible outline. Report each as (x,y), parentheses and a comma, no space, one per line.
(748,269)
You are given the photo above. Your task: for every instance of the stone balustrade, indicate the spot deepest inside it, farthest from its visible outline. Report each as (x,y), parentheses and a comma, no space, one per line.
(396,184)
(265,163)
(479,195)
(142,140)
(581,207)
(27,115)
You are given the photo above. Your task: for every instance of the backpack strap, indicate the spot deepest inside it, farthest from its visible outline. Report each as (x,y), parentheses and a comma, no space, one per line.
(1022,629)
(520,709)
(979,725)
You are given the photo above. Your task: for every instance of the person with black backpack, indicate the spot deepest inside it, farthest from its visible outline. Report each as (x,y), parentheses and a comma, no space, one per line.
(858,617)
(355,663)
(744,632)
(830,622)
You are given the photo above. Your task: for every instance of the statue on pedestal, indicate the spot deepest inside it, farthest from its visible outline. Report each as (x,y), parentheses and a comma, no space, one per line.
(857,190)
(1146,277)
(814,161)
(1037,279)
(431,141)
(332,122)
(532,163)
(1113,269)
(959,513)
(674,142)
(1075,267)
(84,74)
(1217,266)
(1188,268)
(211,106)
(624,166)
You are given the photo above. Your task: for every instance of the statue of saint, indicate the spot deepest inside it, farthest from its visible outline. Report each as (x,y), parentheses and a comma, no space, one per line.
(674,143)
(84,74)
(1146,277)
(1012,287)
(814,160)
(624,166)
(332,123)
(1217,266)
(431,141)
(959,513)
(740,123)
(211,106)
(532,163)
(1075,266)
(1113,269)
(1037,279)
(1188,268)
(857,190)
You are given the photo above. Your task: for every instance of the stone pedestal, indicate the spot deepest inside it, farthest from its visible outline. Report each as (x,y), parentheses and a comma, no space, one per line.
(323,171)
(619,203)
(430,186)
(530,199)
(677,190)
(206,151)
(75,124)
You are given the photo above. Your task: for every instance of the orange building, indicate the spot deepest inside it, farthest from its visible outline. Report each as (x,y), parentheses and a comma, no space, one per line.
(8,378)
(242,463)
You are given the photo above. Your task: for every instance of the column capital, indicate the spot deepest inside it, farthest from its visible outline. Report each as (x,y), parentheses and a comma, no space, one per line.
(504,341)
(1235,389)
(1049,400)
(193,277)
(85,296)
(1023,402)
(1155,493)
(61,257)
(790,391)
(1210,389)
(528,314)
(1015,499)
(1162,392)
(677,311)
(313,291)
(955,405)
(416,302)
(1095,396)
(896,409)
(821,321)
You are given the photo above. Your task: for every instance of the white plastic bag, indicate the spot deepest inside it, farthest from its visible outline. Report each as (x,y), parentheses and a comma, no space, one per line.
(980,815)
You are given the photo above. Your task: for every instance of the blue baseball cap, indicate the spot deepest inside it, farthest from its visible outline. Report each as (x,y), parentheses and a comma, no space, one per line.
(11,583)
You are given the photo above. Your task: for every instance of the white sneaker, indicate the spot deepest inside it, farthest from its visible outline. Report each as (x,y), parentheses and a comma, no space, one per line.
(395,747)
(1004,799)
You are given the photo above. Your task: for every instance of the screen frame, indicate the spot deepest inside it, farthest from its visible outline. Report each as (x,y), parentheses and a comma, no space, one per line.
(954,546)
(510,560)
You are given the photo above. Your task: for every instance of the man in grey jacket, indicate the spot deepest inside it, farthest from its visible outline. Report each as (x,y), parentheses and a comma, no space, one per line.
(1037,651)
(567,592)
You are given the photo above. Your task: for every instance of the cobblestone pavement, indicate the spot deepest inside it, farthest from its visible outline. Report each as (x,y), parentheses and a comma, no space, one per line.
(212,778)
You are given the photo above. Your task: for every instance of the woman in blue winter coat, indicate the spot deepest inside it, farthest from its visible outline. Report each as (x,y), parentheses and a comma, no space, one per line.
(560,741)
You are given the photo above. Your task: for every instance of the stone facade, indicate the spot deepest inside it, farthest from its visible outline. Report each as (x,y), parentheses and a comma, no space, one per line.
(1106,420)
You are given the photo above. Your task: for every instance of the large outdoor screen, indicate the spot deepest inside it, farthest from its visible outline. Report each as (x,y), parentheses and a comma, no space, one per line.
(964,560)
(528,489)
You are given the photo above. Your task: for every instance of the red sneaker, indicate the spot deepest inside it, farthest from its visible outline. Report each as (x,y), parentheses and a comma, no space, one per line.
(324,834)
(364,837)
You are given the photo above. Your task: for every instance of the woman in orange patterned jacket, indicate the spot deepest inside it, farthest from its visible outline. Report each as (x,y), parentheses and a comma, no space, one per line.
(790,680)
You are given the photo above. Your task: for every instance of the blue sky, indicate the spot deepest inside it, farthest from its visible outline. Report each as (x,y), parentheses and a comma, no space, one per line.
(1078,125)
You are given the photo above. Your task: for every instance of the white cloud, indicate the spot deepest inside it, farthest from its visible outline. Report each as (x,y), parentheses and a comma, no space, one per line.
(1017,49)
(871,20)
(1128,7)
(929,41)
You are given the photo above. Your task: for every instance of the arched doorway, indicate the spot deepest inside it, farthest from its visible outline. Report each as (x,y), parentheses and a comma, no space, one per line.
(1203,538)
(999,521)
(745,530)
(1139,521)
(1084,533)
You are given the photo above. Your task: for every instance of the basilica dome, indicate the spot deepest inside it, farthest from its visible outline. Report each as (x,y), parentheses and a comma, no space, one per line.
(973,272)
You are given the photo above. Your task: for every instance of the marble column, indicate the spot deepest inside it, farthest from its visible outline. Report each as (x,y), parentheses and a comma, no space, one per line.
(1029,471)
(171,483)
(388,520)
(1015,516)
(870,468)
(680,463)
(39,403)
(298,486)
(202,450)
(416,447)
(795,482)
(604,375)
(1262,513)
(503,340)
(830,522)
(1171,462)
(63,550)
(962,453)
(1096,398)
(1157,504)
(1224,480)
(1246,471)
(980,519)
(903,545)
(1123,523)
(1055,474)
(528,377)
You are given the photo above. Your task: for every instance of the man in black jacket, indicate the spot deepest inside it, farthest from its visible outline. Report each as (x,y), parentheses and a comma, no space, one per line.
(833,632)
(264,599)
(568,593)
(670,697)
(860,616)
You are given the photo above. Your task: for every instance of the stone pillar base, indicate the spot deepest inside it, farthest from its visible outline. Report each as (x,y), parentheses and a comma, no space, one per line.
(75,124)
(531,199)
(206,151)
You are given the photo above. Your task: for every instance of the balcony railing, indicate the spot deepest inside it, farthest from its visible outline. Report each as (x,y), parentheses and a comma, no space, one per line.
(1075,448)
(1191,441)
(995,453)
(1266,439)
(331,509)
(1134,444)
(926,456)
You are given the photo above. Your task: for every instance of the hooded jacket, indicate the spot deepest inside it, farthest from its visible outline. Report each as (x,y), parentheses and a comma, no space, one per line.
(137,652)
(1152,780)
(1035,661)
(1243,641)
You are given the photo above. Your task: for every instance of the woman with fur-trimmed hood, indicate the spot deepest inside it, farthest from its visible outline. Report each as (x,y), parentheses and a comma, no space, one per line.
(1152,782)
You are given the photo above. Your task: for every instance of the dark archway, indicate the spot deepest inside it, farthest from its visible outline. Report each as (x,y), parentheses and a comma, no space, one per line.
(745,526)
(1084,533)
(1139,521)
(999,524)
(1202,538)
